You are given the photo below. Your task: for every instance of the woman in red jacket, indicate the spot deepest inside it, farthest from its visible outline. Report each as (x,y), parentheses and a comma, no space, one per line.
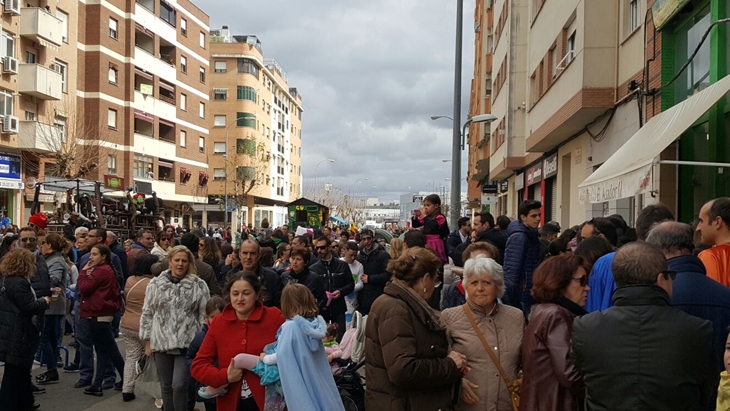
(245,326)
(99,302)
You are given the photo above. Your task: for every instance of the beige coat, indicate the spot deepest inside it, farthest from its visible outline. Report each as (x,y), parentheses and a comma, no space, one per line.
(506,325)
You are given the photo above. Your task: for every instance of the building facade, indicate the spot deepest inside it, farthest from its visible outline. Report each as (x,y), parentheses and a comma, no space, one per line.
(256,132)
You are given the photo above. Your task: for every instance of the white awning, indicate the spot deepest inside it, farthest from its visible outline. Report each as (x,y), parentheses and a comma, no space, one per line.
(629,170)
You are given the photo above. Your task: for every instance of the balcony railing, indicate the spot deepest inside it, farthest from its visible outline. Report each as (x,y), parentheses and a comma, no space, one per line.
(41,26)
(39,81)
(34,135)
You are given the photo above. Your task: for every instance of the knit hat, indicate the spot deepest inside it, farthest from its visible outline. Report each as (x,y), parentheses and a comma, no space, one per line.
(39,220)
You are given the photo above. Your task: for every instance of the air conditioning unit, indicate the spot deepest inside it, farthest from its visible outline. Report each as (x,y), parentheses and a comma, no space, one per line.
(10,65)
(12,7)
(10,125)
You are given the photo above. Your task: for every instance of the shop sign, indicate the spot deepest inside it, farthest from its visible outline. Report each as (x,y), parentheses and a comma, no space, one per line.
(11,184)
(417,199)
(663,10)
(489,189)
(42,198)
(114,182)
(10,167)
(534,174)
(550,166)
(519,181)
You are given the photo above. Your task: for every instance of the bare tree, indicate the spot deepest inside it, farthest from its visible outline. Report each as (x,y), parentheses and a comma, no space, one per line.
(250,166)
(72,145)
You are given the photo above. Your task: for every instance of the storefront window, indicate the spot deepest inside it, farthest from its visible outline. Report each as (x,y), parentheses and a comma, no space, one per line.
(697,75)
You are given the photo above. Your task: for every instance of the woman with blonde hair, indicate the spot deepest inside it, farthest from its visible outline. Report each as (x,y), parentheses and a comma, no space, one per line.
(407,357)
(396,248)
(18,333)
(173,312)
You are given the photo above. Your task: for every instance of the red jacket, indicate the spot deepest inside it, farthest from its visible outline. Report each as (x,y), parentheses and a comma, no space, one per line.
(229,336)
(99,290)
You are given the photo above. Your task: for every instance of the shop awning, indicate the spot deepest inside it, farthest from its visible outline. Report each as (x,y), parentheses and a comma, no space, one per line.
(628,171)
(338,219)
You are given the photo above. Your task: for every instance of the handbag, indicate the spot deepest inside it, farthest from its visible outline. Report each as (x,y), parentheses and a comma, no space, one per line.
(147,380)
(512,386)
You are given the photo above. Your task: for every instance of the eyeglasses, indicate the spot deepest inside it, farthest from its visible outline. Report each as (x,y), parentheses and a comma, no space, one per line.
(164,239)
(582,280)
(29,240)
(82,235)
(321,247)
(669,274)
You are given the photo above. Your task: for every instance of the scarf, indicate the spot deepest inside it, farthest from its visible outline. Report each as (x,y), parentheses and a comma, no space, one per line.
(422,303)
(574,308)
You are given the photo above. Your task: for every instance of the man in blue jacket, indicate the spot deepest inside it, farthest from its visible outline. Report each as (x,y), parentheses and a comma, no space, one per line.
(461,234)
(694,292)
(522,255)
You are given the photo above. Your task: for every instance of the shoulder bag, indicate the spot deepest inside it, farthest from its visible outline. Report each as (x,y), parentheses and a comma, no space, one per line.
(512,386)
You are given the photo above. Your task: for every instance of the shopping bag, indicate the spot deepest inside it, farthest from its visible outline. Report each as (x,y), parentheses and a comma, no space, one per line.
(147,380)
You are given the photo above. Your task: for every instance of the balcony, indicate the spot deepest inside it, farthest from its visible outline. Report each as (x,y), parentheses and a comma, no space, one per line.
(154,65)
(40,26)
(148,20)
(154,106)
(39,81)
(37,136)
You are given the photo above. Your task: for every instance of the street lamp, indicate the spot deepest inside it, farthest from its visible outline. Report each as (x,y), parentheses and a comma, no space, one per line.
(354,186)
(331,160)
(225,155)
(438,117)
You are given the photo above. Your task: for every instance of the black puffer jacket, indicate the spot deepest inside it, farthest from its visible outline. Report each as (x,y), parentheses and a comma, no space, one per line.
(41,281)
(375,265)
(663,358)
(18,335)
(271,281)
(310,280)
(335,275)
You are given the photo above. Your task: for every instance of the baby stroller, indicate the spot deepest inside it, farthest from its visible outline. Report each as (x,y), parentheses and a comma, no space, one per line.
(349,381)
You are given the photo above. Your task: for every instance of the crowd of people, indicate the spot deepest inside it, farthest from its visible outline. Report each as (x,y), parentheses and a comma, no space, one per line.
(494,315)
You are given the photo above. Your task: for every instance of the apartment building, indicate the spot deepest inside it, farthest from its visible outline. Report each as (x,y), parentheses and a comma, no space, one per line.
(144,78)
(256,132)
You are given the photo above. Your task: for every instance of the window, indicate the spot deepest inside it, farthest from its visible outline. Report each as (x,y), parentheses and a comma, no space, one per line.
(112,28)
(219,174)
(142,166)
(30,57)
(697,75)
(113,75)
(183,101)
(30,116)
(219,121)
(201,110)
(570,49)
(202,40)
(633,17)
(220,94)
(184,27)
(6,103)
(183,64)
(246,120)
(246,93)
(8,46)
(219,148)
(220,67)
(62,68)
(202,75)
(246,66)
(183,137)
(167,13)
(112,119)
(201,144)
(63,16)
(111,164)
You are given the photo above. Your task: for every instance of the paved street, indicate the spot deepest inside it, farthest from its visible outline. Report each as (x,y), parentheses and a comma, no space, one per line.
(64,397)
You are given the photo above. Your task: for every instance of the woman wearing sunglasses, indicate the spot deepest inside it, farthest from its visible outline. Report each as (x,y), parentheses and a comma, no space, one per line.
(163,242)
(550,381)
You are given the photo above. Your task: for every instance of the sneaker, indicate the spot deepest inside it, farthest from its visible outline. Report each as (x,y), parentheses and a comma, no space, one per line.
(118,385)
(82,384)
(158,403)
(37,390)
(95,391)
(71,368)
(128,396)
(48,377)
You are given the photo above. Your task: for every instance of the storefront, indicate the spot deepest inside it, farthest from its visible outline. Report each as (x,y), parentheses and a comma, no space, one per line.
(550,188)
(534,177)
(520,187)
(11,186)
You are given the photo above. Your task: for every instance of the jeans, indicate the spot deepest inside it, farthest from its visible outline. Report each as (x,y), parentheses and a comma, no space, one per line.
(16,392)
(85,353)
(135,351)
(49,341)
(106,349)
(174,375)
(115,323)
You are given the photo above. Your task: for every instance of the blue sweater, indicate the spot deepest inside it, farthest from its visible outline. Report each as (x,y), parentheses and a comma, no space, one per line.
(601,283)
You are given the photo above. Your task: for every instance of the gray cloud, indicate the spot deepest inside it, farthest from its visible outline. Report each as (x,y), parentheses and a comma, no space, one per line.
(371,74)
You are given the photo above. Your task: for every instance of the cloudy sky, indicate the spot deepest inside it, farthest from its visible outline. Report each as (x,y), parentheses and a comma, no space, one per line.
(371,73)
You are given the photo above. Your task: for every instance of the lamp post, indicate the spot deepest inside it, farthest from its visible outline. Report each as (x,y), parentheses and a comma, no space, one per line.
(331,160)
(225,155)
(354,185)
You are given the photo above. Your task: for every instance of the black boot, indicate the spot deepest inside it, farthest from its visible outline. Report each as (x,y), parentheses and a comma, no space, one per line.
(95,391)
